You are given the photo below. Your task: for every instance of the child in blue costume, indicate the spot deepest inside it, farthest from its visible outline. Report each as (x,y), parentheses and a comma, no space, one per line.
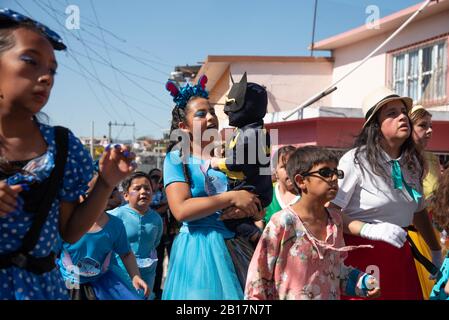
(200,266)
(28,154)
(143,228)
(440,215)
(84,265)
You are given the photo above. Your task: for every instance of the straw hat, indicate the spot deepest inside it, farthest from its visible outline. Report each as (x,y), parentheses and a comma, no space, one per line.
(415,109)
(378,98)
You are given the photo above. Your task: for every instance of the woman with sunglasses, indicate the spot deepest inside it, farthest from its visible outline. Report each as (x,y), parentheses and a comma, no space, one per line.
(29,155)
(383,188)
(301,252)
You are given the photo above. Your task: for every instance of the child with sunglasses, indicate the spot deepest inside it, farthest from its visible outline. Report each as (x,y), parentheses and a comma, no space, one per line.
(301,252)
(31,159)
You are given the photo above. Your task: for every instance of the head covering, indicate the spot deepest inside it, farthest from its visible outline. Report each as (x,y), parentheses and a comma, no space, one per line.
(246,103)
(378,98)
(10,17)
(181,95)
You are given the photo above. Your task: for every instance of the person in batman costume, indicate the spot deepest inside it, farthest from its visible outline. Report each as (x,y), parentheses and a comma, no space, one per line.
(247,157)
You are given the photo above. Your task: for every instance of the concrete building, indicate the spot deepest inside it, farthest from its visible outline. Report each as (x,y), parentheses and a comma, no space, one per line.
(413,64)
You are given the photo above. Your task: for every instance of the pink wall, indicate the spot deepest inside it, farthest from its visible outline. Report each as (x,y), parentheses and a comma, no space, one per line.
(288,83)
(328,132)
(340,133)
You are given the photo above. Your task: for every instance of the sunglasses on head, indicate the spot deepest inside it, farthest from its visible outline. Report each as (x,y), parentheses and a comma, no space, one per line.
(8,15)
(326,173)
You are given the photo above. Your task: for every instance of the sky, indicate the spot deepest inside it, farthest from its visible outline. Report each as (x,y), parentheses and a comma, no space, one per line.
(120,58)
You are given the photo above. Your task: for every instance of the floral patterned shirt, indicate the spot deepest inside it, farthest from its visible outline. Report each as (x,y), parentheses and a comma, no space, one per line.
(289,263)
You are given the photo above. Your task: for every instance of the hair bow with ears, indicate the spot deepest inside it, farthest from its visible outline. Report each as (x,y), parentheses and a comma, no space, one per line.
(182,95)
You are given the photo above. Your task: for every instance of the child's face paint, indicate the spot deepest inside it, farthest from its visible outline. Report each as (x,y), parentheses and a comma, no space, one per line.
(200,112)
(139,194)
(28,70)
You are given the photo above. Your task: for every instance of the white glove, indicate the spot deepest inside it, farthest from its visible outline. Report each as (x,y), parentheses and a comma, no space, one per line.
(384,231)
(437,260)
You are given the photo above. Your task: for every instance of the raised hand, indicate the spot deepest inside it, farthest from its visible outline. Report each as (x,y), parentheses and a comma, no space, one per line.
(116,163)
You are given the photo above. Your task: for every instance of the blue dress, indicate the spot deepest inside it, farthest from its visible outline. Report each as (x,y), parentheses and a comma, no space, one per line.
(438,289)
(200,267)
(144,233)
(88,260)
(19,284)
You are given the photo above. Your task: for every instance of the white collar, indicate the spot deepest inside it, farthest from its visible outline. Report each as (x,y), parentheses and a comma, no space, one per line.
(278,196)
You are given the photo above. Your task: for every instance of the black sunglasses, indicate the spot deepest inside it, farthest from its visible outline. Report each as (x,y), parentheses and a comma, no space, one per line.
(9,15)
(326,173)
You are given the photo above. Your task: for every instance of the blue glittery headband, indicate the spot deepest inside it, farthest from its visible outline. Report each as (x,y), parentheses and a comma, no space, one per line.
(182,95)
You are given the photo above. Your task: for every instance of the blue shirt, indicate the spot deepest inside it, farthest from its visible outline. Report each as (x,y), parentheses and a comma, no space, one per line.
(88,258)
(173,172)
(143,231)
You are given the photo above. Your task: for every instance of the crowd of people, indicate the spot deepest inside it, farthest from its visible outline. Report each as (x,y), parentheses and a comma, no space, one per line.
(327,227)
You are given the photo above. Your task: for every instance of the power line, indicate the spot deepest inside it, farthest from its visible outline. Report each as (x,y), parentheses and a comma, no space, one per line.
(94,69)
(112,90)
(54,16)
(108,55)
(117,37)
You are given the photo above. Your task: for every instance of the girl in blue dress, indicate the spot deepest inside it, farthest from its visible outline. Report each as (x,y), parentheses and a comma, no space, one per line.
(28,153)
(200,266)
(143,228)
(84,265)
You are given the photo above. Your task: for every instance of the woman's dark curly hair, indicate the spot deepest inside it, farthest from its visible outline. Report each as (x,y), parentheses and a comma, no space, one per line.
(368,142)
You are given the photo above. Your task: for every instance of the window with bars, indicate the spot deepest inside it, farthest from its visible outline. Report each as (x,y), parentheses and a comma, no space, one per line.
(421,73)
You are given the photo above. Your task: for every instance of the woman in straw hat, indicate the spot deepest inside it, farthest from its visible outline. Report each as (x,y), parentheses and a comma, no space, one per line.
(382,187)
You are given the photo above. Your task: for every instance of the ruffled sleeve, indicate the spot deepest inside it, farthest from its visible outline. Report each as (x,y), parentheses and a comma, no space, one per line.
(78,170)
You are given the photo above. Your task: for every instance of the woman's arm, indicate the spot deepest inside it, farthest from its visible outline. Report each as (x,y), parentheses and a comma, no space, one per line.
(75,218)
(383,231)
(186,208)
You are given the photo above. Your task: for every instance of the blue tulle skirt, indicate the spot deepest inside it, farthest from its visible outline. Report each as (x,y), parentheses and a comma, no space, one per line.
(110,287)
(147,274)
(200,268)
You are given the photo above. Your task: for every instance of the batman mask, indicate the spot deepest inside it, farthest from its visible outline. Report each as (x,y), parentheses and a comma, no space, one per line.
(246,103)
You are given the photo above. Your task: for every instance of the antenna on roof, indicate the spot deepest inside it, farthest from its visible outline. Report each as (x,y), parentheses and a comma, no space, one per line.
(313,29)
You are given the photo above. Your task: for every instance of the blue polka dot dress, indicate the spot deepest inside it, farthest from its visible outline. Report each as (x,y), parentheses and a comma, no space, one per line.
(19,284)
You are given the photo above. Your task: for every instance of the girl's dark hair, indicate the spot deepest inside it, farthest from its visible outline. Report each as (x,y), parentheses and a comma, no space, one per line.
(282,154)
(179,115)
(128,181)
(7,40)
(305,158)
(440,202)
(368,142)
(154,170)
